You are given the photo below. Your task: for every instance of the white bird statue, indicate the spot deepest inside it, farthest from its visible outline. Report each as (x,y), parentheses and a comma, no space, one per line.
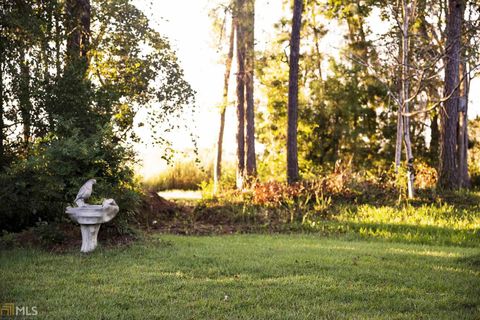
(85,192)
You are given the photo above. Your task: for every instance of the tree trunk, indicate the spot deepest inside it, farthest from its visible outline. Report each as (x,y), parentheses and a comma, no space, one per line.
(399,136)
(398,143)
(217,174)
(78,31)
(251,164)
(404,98)
(462,150)
(434,142)
(318,55)
(292,151)
(240,12)
(24,102)
(448,162)
(432,88)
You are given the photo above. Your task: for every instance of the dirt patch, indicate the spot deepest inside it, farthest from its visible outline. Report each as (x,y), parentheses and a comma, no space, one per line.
(154,208)
(158,214)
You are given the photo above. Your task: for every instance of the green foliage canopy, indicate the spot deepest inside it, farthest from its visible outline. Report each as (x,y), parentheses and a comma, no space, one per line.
(65,120)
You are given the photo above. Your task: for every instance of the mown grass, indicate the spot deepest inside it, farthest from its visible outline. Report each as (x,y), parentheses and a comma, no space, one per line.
(247,277)
(425,224)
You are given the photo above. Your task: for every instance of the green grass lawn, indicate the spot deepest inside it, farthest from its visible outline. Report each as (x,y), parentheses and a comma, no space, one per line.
(245,277)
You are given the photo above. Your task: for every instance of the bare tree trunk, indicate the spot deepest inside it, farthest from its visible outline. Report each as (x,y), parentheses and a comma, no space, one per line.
(240,12)
(405,96)
(399,138)
(432,89)
(217,174)
(434,142)
(448,164)
(25,104)
(398,143)
(462,150)
(251,164)
(292,151)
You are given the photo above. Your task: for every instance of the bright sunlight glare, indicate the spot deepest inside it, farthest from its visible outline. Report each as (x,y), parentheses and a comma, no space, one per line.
(188,27)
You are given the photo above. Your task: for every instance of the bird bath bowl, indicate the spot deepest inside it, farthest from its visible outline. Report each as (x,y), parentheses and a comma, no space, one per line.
(90,217)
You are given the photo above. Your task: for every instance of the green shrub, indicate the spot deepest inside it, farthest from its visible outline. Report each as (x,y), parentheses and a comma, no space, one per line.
(39,187)
(7,241)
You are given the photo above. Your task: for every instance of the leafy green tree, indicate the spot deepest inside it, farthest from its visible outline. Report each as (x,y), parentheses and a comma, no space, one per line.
(75,74)
(340,107)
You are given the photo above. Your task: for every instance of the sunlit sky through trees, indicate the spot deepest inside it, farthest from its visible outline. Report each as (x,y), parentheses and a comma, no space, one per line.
(187,25)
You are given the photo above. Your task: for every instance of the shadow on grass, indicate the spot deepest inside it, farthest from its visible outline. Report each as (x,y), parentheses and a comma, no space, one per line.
(472,261)
(406,233)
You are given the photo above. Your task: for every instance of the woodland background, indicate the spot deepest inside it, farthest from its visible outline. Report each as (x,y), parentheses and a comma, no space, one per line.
(384,121)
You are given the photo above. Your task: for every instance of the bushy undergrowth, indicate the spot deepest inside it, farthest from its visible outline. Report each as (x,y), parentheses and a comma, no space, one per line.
(348,203)
(344,202)
(39,187)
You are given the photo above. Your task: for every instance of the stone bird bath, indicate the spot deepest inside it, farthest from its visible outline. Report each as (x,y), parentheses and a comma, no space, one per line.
(90,217)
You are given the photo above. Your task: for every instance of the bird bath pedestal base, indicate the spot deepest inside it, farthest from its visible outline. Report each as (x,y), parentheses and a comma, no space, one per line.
(89,236)
(90,217)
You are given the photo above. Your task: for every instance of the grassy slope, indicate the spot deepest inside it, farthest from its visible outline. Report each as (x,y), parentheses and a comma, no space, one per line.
(247,276)
(427,220)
